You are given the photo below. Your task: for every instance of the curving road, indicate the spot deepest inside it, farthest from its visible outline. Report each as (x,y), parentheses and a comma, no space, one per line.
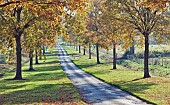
(92,90)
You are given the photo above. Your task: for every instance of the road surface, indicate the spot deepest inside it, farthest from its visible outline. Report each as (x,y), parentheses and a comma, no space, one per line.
(93,90)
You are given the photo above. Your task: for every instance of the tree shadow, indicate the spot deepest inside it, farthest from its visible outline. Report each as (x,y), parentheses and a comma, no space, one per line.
(136,86)
(133,80)
(51,54)
(1,75)
(45,68)
(46,93)
(48,76)
(14,86)
(73,54)
(52,62)
(85,66)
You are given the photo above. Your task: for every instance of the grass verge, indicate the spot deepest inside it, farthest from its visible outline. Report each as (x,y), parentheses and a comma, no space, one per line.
(46,85)
(155,89)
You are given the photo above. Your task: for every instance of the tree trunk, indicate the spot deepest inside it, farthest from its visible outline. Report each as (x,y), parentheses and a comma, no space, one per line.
(89,51)
(146,56)
(36,57)
(18,75)
(132,50)
(76,48)
(43,50)
(84,51)
(79,49)
(97,53)
(31,64)
(107,51)
(40,55)
(114,56)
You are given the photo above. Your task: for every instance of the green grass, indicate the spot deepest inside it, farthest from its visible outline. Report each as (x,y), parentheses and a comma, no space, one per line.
(46,85)
(158,70)
(138,63)
(6,67)
(155,89)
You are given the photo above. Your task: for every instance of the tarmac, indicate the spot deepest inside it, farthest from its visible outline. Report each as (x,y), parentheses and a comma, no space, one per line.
(92,90)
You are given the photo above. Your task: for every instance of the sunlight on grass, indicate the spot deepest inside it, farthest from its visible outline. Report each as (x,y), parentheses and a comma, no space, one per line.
(46,85)
(155,89)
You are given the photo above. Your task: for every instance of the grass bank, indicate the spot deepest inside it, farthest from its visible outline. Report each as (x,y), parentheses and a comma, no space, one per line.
(46,85)
(155,89)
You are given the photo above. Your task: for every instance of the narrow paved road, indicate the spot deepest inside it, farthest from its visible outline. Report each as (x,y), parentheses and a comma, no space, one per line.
(92,90)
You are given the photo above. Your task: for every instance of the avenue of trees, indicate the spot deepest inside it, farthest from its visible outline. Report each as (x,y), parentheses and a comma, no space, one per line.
(112,22)
(26,25)
(29,25)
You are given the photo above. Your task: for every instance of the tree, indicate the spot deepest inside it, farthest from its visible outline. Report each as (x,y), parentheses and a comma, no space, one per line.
(111,29)
(24,13)
(93,25)
(76,29)
(144,19)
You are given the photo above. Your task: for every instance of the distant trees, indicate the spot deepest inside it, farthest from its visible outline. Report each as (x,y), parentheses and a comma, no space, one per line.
(93,26)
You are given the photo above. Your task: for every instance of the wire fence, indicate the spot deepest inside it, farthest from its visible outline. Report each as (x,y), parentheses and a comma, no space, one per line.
(158,59)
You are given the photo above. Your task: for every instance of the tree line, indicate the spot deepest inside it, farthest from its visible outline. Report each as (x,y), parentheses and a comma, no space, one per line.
(120,22)
(29,25)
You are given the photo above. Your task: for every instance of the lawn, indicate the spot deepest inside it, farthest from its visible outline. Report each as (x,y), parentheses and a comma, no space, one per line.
(158,66)
(155,89)
(46,85)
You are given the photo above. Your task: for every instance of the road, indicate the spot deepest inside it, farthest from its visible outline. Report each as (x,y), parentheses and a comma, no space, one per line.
(93,90)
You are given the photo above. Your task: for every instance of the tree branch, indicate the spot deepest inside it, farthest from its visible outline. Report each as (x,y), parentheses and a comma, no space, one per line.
(8,3)
(27,24)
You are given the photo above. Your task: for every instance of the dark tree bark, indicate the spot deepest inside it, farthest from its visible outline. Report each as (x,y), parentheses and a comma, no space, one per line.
(97,53)
(43,50)
(18,34)
(89,51)
(84,51)
(31,64)
(18,75)
(79,49)
(132,50)
(74,46)
(36,57)
(40,55)
(107,51)
(114,56)
(146,56)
